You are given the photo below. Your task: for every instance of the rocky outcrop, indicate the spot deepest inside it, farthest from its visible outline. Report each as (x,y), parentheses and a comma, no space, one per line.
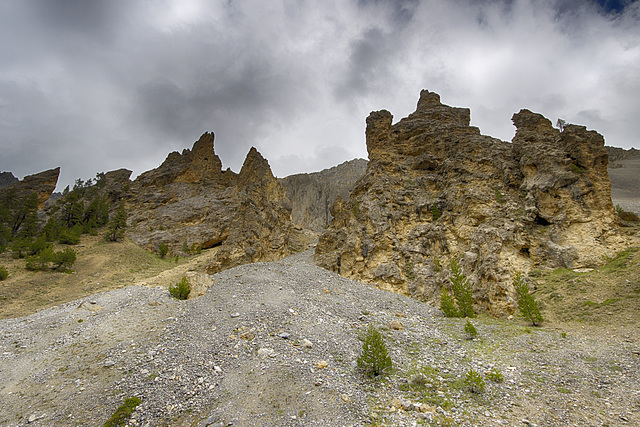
(189,202)
(313,194)
(6,179)
(185,202)
(436,189)
(43,184)
(200,165)
(261,223)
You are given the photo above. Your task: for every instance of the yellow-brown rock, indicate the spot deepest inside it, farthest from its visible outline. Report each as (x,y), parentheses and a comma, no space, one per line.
(436,189)
(260,226)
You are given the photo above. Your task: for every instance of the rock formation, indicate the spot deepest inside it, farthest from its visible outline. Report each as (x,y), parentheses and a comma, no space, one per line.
(260,226)
(313,194)
(200,165)
(436,189)
(188,201)
(43,184)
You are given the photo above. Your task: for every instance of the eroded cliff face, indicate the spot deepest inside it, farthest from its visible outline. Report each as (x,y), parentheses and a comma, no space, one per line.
(436,189)
(189,201)
(313,194)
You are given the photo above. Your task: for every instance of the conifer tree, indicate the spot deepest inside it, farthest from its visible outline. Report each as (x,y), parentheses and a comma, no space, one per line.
(526,302)
(374,359)
(462,290)
(117,225)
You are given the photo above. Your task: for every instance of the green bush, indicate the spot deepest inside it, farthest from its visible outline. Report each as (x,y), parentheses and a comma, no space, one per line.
(3,273)
(61,260)
(495,376)
(70,236)
(470,330)
(124,411)
(526,302)
(38,245)
(474,382)
(180,290)
(374,359)
(163,250)
(64,259)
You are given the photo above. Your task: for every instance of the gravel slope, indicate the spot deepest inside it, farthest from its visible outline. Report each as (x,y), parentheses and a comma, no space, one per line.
(238,356)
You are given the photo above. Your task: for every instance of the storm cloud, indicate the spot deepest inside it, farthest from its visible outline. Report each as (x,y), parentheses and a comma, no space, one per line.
(95,86)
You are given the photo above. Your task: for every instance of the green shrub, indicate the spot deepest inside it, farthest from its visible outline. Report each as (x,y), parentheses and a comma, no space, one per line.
(436,213)
(462,290)
(163,249)
(64,259)
(3,273)
(124,411)
(526,302)
(474,382)
(38,245)
(470,330)
(20,247)
(374,359)
(180,290)
(495,376)
(70,236)
(61,260)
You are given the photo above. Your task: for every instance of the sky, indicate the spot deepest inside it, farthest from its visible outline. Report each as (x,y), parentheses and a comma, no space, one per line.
(93,86)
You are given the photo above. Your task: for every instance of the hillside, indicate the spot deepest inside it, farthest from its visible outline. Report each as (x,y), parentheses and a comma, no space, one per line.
(238,353)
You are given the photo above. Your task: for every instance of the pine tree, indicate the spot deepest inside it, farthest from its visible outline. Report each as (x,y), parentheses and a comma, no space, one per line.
(526,302)
(447,304)
(462,290)
(117,225)
(374,359)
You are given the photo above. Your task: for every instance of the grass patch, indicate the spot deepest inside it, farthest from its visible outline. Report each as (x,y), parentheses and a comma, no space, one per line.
(124,411)
(619,262)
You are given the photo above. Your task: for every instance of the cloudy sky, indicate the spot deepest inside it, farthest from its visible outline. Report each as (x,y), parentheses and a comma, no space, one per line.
(98,85)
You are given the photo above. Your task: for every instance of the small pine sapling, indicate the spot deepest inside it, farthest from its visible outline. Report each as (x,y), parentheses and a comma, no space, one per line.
(374,359)
(462,290)
(474,382)
(526,302)
(163,250)
(470,330)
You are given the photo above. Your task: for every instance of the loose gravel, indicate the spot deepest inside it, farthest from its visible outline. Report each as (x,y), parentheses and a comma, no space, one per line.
(275,344)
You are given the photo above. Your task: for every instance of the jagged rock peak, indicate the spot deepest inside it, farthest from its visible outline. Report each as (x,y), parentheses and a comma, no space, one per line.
(255,169)
(198,165)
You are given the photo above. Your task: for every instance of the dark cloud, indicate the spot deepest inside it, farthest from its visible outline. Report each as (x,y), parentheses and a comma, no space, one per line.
(93,86)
